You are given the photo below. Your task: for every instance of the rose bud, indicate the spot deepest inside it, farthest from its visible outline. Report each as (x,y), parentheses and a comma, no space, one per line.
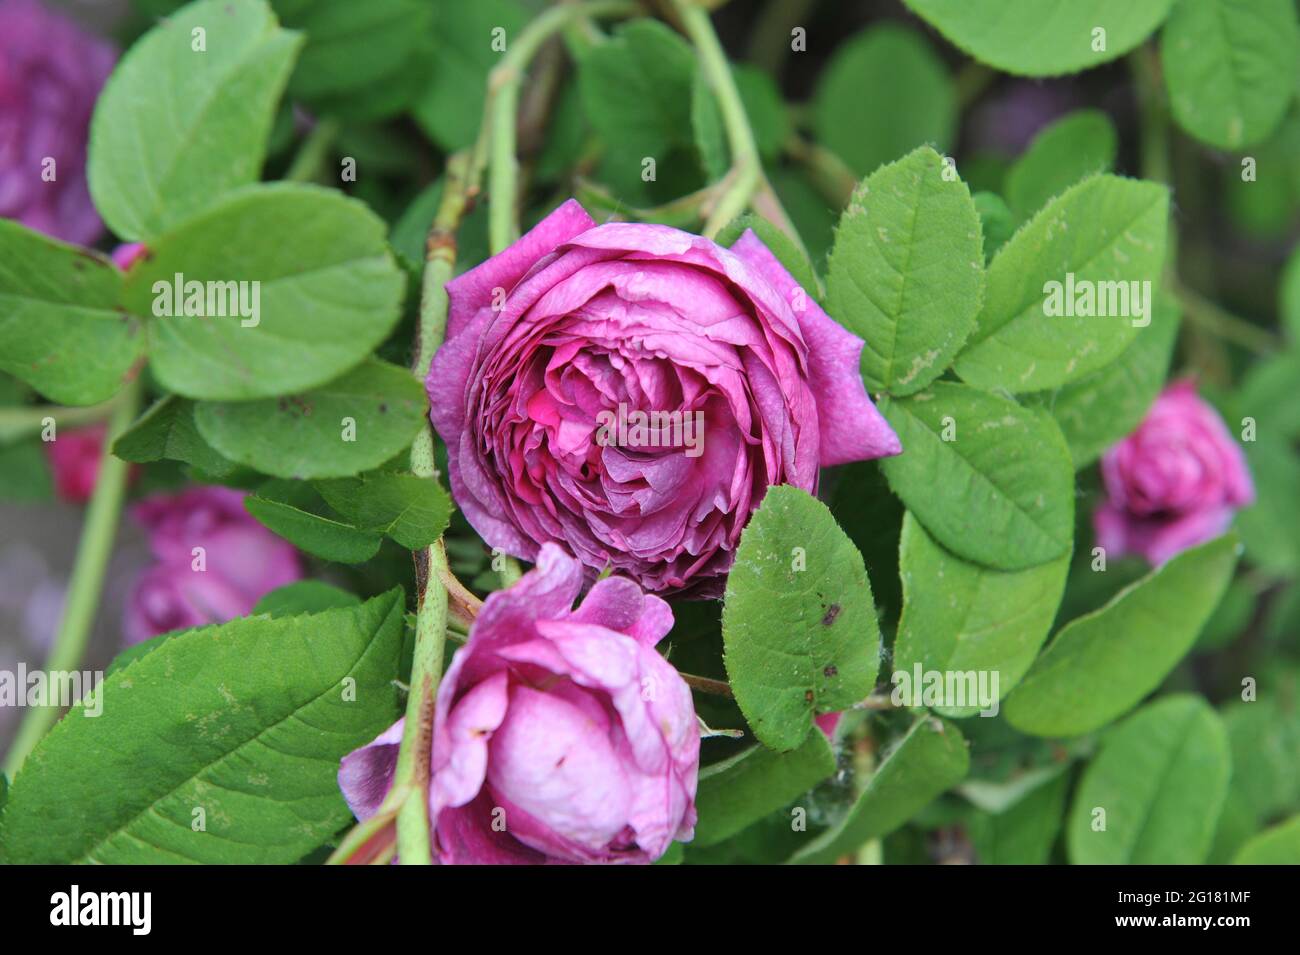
(51,73)
(1173,483)
(239,562)
(560,735)
(577,329)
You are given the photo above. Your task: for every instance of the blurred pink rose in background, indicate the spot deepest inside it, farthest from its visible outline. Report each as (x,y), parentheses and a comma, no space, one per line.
(1007,122)
(126,254)
(827,722)
(74,461)
(1173,483)
(240,562)
(561,735)
(51,73)
(576,321)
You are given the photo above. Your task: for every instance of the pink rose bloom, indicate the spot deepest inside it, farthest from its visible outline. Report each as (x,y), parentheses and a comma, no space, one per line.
(242,562)
(550,339)
(1173,483)
(74,461)
(560,735)
(51,73)
(827,722)
(128,253)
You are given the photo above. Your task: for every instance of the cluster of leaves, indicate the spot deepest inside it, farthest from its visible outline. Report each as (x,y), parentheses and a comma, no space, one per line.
(966,553)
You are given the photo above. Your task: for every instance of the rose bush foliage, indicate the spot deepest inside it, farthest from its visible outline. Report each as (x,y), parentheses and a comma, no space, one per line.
(904,445)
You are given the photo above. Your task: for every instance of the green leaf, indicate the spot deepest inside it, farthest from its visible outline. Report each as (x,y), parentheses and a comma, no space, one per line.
(1022,833)
(1097,411)
(326,538)
(930,759)
(1074,147)
(246,720)
(637,89)
(997,222)
(1102,664)
(361,59)
(798,623)
(768,114)
(566,137)
(137,650)
(979,619)
(907,271)
(779,244)
(1263,206)
(756,781)
(413,511)
(176,128)
(1080,253)
(412,229)
(872,517)
(1033,38)
(1264,735)
(1277,846)
(451,106)
(1230,619)
(1161,777)
(1268,527)
(764,108)
(811,214)
(327,293)
(884,93)
(1230,66)
(1270,393)
(350,425)
(61,330)
(304,596)
(990,480)
(706,122)
(167,432)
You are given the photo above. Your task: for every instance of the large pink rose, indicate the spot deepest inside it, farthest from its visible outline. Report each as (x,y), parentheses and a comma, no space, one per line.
(1173,483)
(241,562)
(50,76)
(577,322)
(560,735)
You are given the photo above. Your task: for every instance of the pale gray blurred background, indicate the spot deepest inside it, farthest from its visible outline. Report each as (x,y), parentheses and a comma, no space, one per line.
(37,546)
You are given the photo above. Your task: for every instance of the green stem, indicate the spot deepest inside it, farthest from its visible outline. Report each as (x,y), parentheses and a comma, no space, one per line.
(309,164)
(1154,114)
(21,420)
(708,685)
(829,174)
(503,172)
(408,798)
(746,169)
(93,552)
(745,185)
(412,771)
(503,104)
(1222,323)
(684,212)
